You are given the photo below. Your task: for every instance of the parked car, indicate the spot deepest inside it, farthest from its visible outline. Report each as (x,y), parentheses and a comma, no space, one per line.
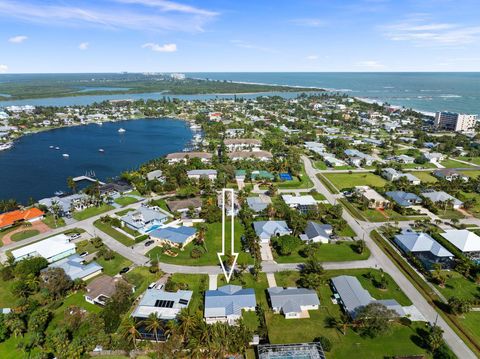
(152,285)
(149,243)
(74,236)
(124,270)
(84,254)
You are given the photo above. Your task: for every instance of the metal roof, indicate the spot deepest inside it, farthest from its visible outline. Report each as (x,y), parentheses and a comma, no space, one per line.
(74,268)
(289,300)
(351,292)
(152,299)
(228,300)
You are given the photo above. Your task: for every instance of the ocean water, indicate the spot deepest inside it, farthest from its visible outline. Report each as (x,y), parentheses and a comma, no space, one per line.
(432,91)
(32,169)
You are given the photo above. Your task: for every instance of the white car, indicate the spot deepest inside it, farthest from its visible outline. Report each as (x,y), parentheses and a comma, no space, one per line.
(74,236)
(152,285)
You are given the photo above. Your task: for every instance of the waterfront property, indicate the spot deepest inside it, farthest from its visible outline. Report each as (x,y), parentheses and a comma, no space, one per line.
(350,294)
(52,249)
(144,219)
(267,229)
(74,267)
(174,236)
(155,175)
(226,303)
(13,218)
(67,204)
(424,247)
(185,156)
(293,303)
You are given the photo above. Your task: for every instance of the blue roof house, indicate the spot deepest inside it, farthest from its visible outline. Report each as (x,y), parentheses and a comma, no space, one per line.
(404,199)
(175,237)
(266,229)
(226,303)
(74,268)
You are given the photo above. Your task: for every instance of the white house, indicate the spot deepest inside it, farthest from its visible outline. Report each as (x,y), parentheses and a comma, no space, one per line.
(197,174)
(52,249)
(293,303)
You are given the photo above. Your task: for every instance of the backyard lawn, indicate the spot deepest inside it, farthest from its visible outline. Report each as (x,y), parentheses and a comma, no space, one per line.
(401,341)
(458,286)
(24,234)
(92,211)
(350,180)
(213,245)
(125,201)
(330,252)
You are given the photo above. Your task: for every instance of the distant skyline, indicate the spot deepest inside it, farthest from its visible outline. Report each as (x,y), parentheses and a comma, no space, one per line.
(239,36)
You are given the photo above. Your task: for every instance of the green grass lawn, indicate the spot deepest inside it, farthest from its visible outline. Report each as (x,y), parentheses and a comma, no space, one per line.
(302,181)
(450,214)
(349,180)
(330,252)
(49,221)
(161,203)
(7,299)
(327,184)
(92,211)
(415,165)
(113,266)
(472,174)
(318,196)
(398,342)
(320,165)
(475,160)
(24,234)
(459,286)
(125,201)
(425,177)
(451,163)
(470,321)
(141,277)
(112,232)
(124,212)
(213,243)
(475,210)
(198,283)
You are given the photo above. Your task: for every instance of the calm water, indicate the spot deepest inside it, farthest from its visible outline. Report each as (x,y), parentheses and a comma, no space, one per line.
(32,169)
(431,92)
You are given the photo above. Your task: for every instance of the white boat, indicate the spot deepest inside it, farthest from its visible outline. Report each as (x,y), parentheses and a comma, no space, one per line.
(51,147)
(66,155)
(6,146)
(101,150)
(57,148)
(121,130)
(58,193)
(100,123)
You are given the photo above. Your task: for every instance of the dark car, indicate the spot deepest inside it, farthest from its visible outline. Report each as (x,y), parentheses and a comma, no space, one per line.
(124,270)
(149,243)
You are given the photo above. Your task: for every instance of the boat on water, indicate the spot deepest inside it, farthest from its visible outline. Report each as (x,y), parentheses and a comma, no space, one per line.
(121,130)
(58,193)
(6,146)
(51,147)
(100,123)
(66,155)
(57,148)
(101,150)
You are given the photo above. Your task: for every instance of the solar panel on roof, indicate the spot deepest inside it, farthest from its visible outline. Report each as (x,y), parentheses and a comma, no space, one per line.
(183,301)
(164,303)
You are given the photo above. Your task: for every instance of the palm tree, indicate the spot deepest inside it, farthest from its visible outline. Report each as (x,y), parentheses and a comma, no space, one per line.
(187,320)
(55,209)
(154,324)
(72,184)
(129,331)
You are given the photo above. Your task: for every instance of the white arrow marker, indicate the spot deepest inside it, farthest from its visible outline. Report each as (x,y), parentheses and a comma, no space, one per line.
(228,273)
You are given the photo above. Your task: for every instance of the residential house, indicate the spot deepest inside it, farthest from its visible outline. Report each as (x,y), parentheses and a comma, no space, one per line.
(184,156)
(293,303)
(12,218)
(155,175)
(174,236)
(466,241)
(115,188)
(67,204)
(424,247)
(405,159)
(258,204)
(234,132)
(166,305)
(99,290)
(433,157)
(317,232)
(372,198)
(356,158)
(197,174)
(184,205)
(52,249)
(440,196)
(302,204)
(228,205)
(266,229)
(404,199)
(75,269)
(450,175)
(250,155)
(144,219)
(392,174)
(350,294)
(242,144)
(225,304)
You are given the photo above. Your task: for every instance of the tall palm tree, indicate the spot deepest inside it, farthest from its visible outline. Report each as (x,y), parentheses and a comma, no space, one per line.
(154,324)
(187,320)
(129,331)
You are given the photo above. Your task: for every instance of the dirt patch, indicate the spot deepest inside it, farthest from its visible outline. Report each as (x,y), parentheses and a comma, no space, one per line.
(38,225)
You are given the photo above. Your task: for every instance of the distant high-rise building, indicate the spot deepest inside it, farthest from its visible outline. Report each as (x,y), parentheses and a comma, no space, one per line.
(455,122)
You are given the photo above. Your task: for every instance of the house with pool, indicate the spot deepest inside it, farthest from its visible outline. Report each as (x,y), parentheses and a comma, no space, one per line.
(144,219)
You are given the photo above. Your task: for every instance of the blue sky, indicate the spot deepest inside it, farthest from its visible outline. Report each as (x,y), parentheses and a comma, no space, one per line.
(249,35)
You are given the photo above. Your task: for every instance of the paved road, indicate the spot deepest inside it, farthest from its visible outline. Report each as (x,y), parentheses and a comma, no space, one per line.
(363,229)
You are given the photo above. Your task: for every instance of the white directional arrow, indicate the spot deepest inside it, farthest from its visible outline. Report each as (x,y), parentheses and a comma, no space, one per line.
(228,271)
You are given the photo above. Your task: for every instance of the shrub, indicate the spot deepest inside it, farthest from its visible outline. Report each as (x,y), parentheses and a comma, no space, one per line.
(195,253)
(325,342)
(6,274)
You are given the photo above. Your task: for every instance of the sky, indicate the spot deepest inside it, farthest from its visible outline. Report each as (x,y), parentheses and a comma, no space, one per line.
(38,36)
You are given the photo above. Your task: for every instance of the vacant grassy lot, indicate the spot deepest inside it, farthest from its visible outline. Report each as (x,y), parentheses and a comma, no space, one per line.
(425,177)
(213,245)
(24,234)
(401,341)
(451,163)
(92,211)
(125,201)
(330,252)
(350,180)
(472,174)
(475,210)
(475,160)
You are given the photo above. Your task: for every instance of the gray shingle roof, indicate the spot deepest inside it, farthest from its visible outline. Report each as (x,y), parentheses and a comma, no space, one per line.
(290,300)
(315,229)
(404,198)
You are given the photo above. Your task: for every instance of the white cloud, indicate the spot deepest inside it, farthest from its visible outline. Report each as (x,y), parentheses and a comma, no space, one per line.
(160,48)
(421,31)
(308,22)
(170,6)
(18,39)
(312,57)
(84,46)
(3,68)
(174,17)
(371,65)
